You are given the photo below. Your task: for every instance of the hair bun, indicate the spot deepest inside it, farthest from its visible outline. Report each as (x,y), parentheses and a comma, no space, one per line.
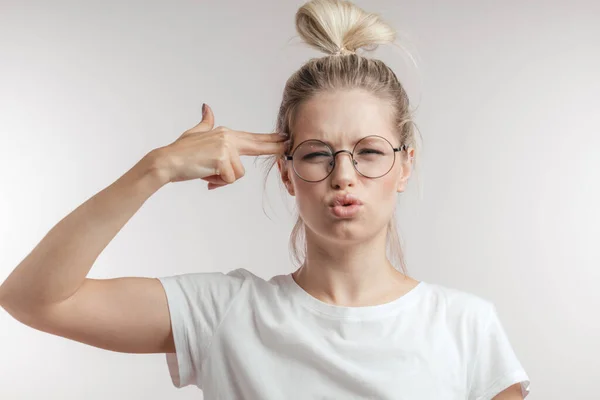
(341,27)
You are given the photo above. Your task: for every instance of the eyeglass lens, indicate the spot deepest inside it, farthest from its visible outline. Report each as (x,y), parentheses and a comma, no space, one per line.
(373,157)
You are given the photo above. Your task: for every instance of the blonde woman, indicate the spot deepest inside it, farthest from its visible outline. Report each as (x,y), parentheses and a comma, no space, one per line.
(349,323)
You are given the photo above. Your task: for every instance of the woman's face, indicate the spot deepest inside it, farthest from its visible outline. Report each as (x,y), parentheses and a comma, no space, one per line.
(341,119)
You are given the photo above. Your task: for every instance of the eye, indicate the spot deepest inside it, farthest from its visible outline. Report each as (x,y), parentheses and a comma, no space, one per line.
(370,151)
(311,156)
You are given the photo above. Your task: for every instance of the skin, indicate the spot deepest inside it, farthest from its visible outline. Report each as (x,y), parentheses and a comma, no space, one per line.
(346,263)
(511,393)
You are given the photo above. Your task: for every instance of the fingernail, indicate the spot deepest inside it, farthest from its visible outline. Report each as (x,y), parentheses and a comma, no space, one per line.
(203,109)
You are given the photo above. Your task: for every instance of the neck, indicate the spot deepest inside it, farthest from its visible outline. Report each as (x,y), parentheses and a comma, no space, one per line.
(350,274)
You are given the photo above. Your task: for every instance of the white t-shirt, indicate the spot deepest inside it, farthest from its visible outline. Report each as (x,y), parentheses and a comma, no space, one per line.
(238,336)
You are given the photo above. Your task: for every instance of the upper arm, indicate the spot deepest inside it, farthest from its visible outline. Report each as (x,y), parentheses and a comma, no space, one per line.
(511,393)
(128,315)
(494,366)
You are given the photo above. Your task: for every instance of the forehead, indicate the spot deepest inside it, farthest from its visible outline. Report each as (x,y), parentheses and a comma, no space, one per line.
(341,118)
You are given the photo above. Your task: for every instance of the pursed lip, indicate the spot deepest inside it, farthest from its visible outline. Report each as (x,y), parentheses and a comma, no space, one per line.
(345,199)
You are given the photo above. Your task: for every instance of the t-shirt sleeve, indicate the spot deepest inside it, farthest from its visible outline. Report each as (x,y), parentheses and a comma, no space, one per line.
(495,366)
(197,303)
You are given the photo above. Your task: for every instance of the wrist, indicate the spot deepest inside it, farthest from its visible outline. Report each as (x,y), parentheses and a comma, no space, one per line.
(155,168)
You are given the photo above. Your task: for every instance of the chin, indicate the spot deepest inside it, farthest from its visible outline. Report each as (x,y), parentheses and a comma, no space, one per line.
(347,230)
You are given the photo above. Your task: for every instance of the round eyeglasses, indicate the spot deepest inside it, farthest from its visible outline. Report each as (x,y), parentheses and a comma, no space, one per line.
(372,157)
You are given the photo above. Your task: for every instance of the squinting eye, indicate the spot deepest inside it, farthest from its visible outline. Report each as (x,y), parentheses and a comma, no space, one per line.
(370,151)
(315,155)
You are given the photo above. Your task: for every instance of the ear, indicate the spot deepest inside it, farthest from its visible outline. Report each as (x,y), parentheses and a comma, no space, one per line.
(407,166)
(285,172)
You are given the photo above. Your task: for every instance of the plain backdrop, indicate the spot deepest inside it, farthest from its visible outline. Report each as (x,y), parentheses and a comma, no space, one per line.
(505,202)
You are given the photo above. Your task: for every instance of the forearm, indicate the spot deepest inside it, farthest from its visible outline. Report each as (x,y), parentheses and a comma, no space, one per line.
(58,265)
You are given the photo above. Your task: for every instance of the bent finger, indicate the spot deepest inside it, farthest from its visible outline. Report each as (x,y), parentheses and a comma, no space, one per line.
(214,179)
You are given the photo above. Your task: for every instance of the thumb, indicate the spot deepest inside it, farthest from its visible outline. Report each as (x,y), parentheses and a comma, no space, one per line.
(208,120)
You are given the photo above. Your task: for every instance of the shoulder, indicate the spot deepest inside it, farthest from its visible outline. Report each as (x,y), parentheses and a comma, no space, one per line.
(238,282)
(239,275)
(460,305)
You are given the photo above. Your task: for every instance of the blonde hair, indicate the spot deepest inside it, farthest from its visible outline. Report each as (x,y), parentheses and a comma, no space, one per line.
(340,28)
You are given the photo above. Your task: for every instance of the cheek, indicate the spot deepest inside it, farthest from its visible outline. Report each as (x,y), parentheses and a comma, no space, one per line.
(307,194)
(384,194)
(389,185)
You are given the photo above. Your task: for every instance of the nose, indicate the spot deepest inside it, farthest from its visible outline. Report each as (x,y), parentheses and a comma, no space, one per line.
(343,173)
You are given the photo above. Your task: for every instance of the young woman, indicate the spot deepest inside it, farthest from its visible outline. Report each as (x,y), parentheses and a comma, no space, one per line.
(347,324)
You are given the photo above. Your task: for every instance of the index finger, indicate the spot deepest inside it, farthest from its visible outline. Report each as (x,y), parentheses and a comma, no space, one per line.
(253,147)
(264,137)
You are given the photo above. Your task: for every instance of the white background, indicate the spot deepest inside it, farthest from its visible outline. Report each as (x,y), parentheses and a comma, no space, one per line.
(506,203)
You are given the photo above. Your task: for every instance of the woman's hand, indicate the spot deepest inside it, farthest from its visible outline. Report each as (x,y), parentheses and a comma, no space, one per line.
(214,154)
